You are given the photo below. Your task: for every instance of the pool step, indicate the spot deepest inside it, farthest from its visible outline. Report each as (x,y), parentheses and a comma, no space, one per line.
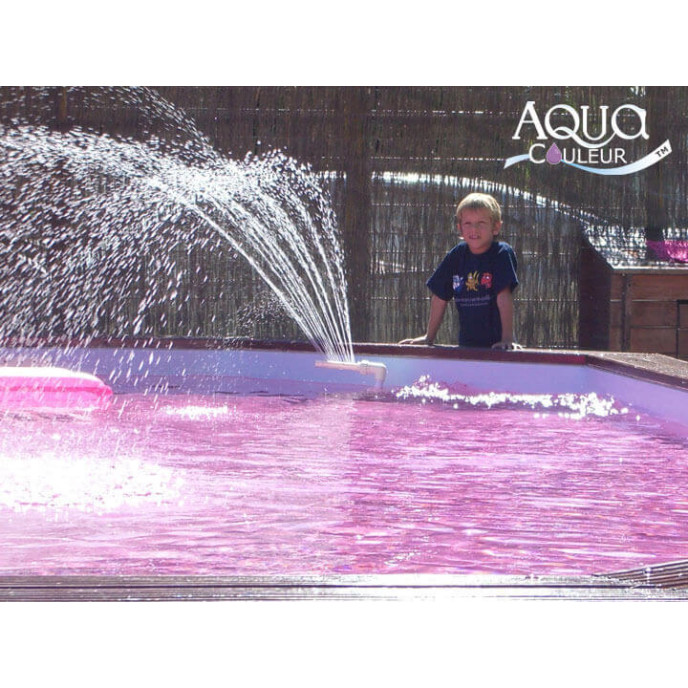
(670,575)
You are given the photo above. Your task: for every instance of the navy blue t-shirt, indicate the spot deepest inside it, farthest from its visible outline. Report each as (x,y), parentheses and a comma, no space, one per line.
(474,281)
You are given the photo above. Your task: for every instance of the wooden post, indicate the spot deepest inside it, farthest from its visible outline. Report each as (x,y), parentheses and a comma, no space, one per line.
(626,312)
(61,108)
(356,222)
(682,329)
(657,101)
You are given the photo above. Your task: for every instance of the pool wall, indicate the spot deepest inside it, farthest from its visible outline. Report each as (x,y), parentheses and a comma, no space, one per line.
(652,384)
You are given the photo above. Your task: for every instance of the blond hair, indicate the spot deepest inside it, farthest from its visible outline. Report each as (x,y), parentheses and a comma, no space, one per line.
(480,201)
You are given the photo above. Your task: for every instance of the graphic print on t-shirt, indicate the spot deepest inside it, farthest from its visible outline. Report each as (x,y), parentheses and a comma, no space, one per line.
(472,281)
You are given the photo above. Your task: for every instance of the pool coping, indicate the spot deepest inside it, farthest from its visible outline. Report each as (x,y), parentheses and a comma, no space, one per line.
(656,368)
(666,581)
(650,367)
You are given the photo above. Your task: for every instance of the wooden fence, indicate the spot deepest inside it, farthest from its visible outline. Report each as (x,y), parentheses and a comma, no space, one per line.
(397,159)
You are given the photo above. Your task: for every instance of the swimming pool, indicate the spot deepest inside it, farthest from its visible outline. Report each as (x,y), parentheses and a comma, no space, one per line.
(252,461)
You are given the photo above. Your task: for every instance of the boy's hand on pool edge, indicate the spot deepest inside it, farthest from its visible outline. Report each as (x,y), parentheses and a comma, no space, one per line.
(437,308)
(507,345)
(423,339)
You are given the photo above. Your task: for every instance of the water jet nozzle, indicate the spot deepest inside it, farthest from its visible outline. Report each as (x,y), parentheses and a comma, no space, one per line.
(377,370)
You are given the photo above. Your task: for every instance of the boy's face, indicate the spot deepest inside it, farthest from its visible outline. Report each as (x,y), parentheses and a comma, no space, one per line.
(477,229)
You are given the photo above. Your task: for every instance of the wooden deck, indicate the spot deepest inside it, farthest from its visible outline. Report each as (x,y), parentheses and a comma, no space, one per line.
(662,582)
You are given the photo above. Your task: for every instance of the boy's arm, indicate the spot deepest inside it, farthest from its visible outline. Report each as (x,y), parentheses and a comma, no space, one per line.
(437,308)
(505,305)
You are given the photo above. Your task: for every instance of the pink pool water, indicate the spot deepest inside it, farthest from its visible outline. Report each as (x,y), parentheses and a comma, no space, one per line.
(405,483)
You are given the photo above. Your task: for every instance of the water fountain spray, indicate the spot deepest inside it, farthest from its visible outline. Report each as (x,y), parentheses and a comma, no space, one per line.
(86,210)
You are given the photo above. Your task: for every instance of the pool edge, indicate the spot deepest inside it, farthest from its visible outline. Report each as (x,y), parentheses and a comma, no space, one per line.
(313,588)
(656,368)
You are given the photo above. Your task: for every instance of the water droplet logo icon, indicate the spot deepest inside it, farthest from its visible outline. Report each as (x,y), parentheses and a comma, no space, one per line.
(553,155)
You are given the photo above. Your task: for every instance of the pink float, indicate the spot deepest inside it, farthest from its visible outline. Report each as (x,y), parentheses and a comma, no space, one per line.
(51,388)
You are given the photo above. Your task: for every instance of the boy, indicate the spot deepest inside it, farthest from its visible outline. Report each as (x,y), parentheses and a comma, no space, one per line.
(480,275)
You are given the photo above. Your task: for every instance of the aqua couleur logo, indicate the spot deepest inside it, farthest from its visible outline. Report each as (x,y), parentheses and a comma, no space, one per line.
(592,142)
